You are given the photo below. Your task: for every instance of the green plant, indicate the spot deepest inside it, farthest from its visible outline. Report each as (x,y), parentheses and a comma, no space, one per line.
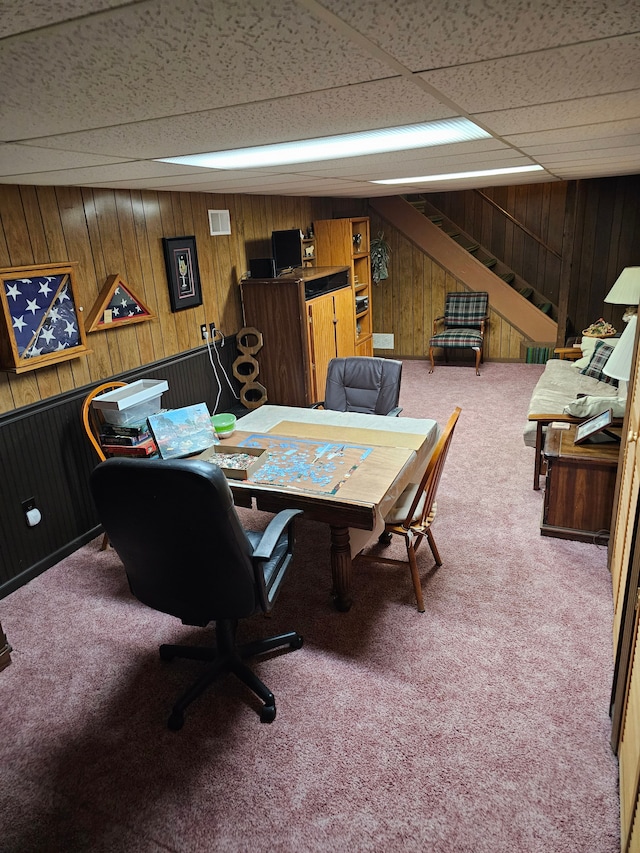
(380,251)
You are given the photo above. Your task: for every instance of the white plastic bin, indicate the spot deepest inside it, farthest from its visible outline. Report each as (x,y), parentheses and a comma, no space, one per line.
(132,403)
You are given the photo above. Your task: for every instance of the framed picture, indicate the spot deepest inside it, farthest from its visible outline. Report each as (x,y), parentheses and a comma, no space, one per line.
(40,321)
(595,429)
(182,272)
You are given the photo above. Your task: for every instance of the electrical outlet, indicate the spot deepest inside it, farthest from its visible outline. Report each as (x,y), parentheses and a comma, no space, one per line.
(212,330)
(204,332)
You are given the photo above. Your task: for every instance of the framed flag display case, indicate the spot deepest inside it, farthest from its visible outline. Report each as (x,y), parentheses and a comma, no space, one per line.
(117,305)
(40,322)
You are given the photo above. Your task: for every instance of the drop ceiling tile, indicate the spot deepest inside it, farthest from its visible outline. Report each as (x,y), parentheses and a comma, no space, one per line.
(591,156)
(393,166)
(20,17)
(470,183)
(441,33)
(580,132)
(342,110)
(562,114)
(606,143)
(89,175)
(562,74)
(571,173)
(149,59)
(18,159)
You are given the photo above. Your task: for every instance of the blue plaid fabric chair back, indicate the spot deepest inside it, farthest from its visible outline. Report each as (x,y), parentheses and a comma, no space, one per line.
(465,310)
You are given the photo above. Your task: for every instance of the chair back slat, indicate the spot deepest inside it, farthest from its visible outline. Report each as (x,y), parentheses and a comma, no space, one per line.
(431,478)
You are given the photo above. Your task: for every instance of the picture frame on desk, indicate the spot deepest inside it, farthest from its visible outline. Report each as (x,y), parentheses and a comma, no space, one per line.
(183,274)
(596,429)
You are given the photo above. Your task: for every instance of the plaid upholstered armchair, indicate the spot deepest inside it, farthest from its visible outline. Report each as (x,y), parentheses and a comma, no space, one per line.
(465,315)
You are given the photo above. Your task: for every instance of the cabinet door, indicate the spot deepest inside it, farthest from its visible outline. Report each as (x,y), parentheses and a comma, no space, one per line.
(344,322)
(322,341)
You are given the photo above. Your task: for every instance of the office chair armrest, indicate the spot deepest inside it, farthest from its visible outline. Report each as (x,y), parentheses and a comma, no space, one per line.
(394,412)
(273,532)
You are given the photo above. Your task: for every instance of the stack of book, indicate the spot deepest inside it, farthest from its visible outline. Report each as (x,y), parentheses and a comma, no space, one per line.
(132,440)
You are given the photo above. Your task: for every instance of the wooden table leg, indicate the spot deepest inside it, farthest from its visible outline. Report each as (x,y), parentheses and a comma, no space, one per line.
(341,567)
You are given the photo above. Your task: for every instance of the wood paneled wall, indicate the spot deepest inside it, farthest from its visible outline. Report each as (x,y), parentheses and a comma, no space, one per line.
(407,303)
(607,239)
(603,241)
(120,231)
(533,252)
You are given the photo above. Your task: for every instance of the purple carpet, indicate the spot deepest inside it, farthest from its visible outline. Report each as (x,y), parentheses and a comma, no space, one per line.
(480,726)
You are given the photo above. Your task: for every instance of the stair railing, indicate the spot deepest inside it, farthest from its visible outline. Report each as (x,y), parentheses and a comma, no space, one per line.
(518,224)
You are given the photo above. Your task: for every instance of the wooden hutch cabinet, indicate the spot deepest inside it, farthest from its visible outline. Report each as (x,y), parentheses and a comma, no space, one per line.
(346,241)
(306,319)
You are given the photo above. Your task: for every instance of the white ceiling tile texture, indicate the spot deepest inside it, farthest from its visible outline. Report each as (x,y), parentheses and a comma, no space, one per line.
(92,90)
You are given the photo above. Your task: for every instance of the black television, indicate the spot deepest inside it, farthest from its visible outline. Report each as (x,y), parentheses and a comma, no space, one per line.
(286,247)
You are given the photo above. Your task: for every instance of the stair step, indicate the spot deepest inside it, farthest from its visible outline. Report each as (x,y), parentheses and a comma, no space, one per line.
(507,276)
(490,262)
(437,220)
(527,292)
(545,307)
(472,247)
(452,234)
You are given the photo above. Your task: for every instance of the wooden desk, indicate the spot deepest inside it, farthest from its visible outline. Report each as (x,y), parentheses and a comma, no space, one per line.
(400,449)
(579,487)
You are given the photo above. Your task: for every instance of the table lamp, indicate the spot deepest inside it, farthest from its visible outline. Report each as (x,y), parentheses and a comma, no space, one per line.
(626,291)
(619,363)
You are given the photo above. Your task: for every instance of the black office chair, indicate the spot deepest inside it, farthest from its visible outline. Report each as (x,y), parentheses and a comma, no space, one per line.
(175,528)
(363,384)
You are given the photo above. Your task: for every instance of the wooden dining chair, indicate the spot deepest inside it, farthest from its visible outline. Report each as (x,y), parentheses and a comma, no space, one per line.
(414,512)
(91,423)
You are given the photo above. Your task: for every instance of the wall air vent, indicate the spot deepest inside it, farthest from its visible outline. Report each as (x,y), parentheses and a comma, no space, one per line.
(219,222)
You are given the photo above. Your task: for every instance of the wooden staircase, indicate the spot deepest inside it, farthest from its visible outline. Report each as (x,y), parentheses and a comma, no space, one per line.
(467,242)
(538,329)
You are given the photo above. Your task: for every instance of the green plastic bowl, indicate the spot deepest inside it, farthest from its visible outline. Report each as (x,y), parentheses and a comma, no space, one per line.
(224,424)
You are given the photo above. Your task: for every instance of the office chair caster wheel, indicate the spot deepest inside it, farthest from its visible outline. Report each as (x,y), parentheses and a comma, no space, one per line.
(384,538)
(267,713)
(176,721)
(297,643)
(166,654)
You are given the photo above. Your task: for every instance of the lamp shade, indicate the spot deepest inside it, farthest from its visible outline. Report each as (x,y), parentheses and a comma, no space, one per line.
(619,363)
(626,288)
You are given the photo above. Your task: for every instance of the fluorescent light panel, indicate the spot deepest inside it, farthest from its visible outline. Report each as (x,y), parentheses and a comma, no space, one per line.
(480,173)
(388,139)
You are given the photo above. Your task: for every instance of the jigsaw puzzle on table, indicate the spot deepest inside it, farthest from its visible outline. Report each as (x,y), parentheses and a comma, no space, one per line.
(315,466)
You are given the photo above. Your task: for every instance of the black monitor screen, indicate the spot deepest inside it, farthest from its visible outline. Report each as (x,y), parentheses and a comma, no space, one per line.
(287,249)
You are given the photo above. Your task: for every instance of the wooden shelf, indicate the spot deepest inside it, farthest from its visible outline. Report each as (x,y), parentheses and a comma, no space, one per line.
(336,243)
